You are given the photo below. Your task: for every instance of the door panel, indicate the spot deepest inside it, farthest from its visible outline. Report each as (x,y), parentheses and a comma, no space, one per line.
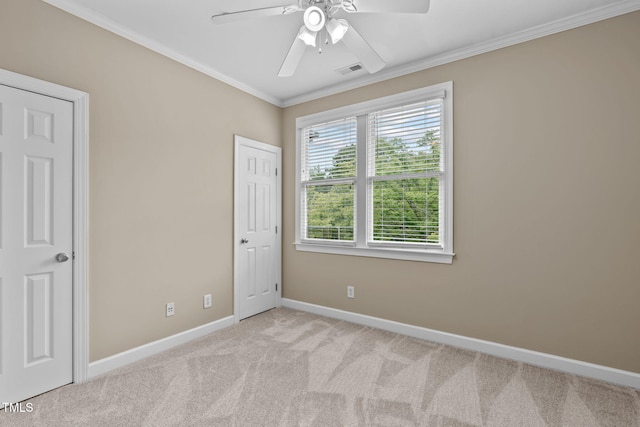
(36,143)
(38,212)
(256,237)
(250,213)
(39,319)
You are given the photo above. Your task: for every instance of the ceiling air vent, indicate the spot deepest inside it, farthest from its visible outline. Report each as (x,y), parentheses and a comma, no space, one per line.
(350,69)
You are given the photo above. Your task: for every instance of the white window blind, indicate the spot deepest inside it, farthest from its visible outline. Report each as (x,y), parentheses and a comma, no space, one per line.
(376,178)
(328,176)
(405,169)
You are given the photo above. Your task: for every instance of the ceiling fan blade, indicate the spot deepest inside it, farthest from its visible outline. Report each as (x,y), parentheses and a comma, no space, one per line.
(227,17)
(387,6)
(293,58)
(362,50)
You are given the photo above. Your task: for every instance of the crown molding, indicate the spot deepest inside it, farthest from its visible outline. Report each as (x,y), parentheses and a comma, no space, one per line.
(112,26)
(575,21)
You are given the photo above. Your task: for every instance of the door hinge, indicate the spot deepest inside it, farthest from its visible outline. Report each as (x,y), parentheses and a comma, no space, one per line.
(73,255)
(276,287)
(276,229)
(276,171)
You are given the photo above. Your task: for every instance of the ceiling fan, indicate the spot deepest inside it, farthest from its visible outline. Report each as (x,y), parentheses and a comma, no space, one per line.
(321,26)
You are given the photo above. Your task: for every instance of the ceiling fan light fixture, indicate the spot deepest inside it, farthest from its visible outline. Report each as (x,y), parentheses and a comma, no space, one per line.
(308,37)
(314,18)
(337,28)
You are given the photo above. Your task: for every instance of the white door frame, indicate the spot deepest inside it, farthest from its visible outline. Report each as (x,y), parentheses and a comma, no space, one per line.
(242,141)
(80,102)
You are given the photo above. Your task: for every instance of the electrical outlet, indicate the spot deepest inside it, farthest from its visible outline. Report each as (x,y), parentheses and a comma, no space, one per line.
(351,292)
(171,309)
(206,301)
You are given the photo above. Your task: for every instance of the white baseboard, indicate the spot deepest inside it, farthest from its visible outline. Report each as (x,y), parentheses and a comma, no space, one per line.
(107,364)
(576,367)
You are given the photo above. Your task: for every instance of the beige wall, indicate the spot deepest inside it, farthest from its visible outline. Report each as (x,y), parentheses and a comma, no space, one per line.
(161,163)
(547,206)
(547,203)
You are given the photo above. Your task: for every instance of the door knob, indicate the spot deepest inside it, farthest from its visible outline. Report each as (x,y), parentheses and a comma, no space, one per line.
(243,240)
(62,257)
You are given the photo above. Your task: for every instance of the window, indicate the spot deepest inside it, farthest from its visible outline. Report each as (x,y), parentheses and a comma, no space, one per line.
(376,178)
(329,179)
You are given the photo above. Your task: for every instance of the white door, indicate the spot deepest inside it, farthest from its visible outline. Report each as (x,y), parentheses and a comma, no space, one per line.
(257,243)
(36,146)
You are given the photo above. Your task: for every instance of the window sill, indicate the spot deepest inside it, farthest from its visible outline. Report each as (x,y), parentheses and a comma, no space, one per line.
(390,253)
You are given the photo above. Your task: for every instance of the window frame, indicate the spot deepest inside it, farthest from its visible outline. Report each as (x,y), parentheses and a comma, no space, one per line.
(362,246)
(304,184)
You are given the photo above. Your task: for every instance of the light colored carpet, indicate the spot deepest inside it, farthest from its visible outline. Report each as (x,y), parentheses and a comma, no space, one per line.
(289,368)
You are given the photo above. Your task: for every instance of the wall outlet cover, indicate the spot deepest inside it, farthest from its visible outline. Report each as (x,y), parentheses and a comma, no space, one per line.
(171,309)
(351,292)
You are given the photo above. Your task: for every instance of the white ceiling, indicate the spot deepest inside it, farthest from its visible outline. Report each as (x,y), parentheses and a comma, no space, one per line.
(248,54)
